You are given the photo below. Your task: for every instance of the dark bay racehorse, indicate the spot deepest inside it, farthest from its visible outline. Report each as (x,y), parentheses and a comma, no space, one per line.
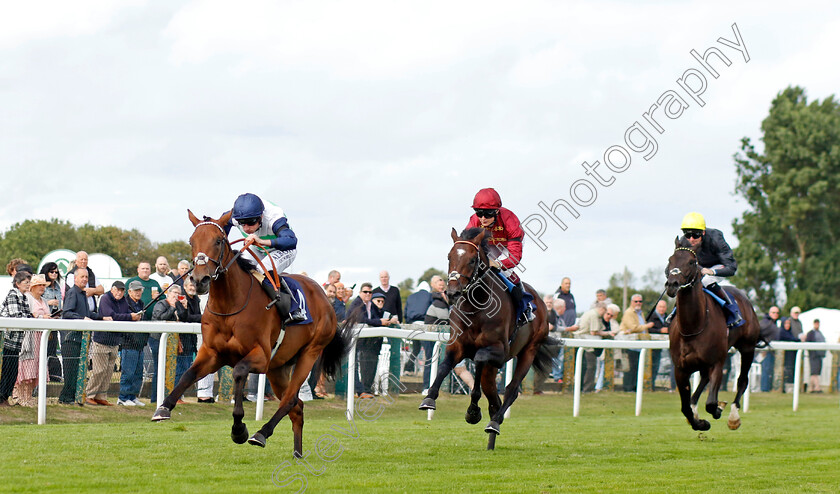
(483,321)
(239,330)
(700,339)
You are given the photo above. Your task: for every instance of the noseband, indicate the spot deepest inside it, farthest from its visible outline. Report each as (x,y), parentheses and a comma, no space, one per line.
(677,271)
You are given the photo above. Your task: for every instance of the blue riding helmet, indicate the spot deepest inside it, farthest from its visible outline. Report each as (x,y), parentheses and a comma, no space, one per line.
(247,206)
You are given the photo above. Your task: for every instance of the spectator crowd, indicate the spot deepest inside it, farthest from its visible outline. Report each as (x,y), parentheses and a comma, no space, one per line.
(163,294)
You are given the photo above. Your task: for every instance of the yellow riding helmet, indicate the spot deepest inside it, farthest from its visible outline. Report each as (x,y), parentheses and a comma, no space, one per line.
(693,221)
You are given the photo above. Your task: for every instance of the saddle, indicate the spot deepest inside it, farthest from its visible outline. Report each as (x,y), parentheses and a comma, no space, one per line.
(291,308)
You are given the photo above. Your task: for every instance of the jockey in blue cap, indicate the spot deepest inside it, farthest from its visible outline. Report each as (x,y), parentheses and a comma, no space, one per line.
(266,226)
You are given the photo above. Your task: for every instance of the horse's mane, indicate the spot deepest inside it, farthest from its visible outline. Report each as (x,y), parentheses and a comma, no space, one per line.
(471,233)
(684,243)
(243,263)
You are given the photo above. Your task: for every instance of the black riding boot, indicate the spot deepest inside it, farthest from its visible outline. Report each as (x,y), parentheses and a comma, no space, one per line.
(734,318)
(297,315)
(527,314)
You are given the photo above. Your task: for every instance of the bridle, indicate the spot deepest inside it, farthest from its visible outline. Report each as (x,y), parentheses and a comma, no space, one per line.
(677,271)
(690,284)
(202,259)
(454,275)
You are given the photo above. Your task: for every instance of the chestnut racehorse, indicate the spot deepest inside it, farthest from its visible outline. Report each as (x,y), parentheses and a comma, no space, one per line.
(483,321)
(240,330)
(700,340)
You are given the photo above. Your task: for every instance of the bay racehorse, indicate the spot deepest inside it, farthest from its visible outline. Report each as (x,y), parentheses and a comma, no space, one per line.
(483,322)
(700,340)
(239,329)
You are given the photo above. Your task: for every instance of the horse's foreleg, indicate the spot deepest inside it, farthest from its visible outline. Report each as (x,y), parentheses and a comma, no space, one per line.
(474,411)
(449,361)
(279,379)
(715,380)
(255,361)
(523,364)
(206,362)
(695,398)
(488,386)
(684,387)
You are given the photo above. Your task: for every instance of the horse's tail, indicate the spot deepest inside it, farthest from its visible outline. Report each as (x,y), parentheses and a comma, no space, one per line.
(337,349)
(549,348)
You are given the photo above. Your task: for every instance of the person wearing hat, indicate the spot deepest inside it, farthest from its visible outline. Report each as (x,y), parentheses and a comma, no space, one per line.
(364,311)
(504,234)
(268,229)
(131,354)
(30,349)
(815,357)
(716,261)
(105,346)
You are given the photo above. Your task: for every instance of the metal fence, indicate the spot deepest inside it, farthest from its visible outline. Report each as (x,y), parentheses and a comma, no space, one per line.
(407,332)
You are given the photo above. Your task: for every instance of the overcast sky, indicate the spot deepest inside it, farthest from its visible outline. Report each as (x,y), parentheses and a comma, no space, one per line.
(373,124)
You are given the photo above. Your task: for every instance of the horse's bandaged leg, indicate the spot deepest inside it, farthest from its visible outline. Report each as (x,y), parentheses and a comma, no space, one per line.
(694,409)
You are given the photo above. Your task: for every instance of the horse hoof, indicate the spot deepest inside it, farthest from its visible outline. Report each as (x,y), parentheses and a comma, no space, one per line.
(162,413)
(427,404)
(257,440)
(492,428)
(473,415)
(297,455)
(239,436)
(734,424)
(702,425)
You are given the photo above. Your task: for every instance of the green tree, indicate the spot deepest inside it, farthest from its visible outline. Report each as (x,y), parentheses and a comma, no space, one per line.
(33,239)
(174,251)
(649,287)
(427,275)
(789,235)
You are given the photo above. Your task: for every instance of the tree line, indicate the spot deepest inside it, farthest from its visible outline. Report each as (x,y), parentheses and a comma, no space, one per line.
(31,240)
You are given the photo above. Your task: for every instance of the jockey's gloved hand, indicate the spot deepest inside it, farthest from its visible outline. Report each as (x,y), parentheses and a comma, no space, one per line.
(495,264)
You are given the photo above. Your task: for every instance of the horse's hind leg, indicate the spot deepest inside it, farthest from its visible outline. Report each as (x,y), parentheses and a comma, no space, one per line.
(715,380)
(288,401)
(684,387)
(473,415)
(747,355)
(204,364)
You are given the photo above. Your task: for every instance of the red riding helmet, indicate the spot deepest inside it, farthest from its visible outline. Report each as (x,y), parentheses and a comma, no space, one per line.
(487,199)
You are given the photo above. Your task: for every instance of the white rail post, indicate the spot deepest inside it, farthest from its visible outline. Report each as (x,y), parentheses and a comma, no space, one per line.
(797,379)
(43,378)
(695,381)
(161,370)
(260,396)
(433,373)
(578,366)
(640,381)
(351,379)
(508,379)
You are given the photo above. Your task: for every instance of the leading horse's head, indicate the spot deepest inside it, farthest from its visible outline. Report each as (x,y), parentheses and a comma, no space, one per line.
(683,270)
(209,245)
(467,259)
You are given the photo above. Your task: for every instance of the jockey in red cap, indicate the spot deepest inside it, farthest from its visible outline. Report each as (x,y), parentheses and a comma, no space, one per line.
(505,239)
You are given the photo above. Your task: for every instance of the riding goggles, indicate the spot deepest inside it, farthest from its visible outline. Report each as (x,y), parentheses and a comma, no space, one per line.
(693,233)
(249,221)
(486,213)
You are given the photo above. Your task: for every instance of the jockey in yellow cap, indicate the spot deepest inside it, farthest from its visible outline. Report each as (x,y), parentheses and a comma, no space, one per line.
(716,261)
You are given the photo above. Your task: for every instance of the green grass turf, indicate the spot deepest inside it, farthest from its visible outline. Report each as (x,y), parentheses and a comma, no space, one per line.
(542,448)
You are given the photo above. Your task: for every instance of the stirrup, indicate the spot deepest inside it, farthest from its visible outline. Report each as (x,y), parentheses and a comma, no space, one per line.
(297,316)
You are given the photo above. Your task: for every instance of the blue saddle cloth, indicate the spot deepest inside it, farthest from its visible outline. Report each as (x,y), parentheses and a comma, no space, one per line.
(527,298)
(298,300)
